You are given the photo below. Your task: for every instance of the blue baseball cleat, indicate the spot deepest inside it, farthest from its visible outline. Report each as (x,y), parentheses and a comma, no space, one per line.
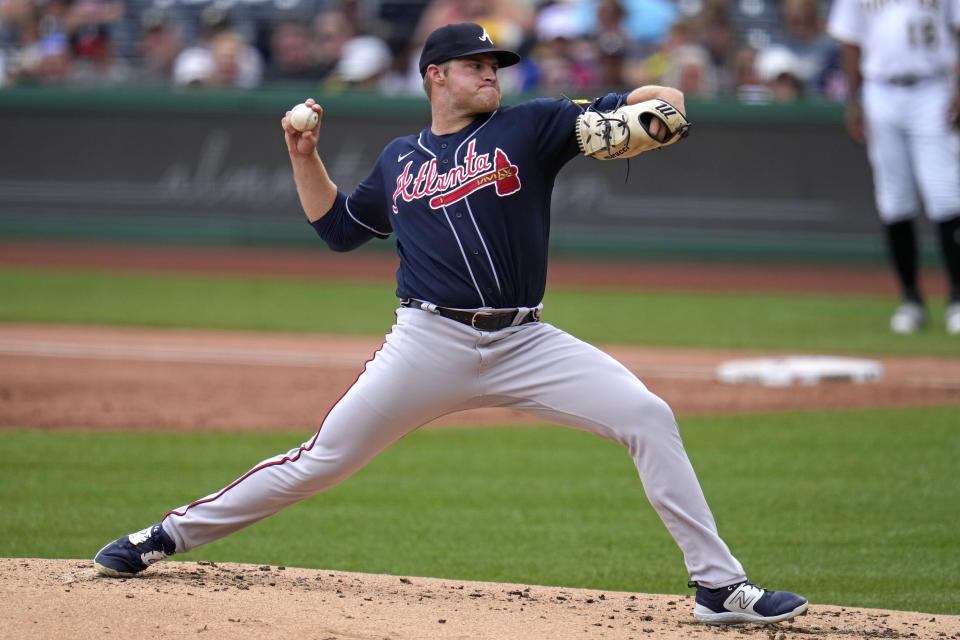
(746,603)
(129,555)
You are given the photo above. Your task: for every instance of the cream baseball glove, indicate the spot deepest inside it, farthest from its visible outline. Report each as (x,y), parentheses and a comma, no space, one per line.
(625,131)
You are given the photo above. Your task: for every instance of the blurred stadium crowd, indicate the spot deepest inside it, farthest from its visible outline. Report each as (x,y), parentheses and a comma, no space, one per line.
(752,50)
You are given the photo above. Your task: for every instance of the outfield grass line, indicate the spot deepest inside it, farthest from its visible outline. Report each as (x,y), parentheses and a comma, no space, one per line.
(848,325)
(192,354)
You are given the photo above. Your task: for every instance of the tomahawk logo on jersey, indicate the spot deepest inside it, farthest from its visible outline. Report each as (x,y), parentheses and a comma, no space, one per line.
(476,172)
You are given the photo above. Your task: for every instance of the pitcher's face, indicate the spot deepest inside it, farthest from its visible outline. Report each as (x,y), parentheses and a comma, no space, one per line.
(472,84)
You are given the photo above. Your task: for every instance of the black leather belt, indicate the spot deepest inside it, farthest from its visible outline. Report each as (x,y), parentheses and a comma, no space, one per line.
(910,80)
(479,319)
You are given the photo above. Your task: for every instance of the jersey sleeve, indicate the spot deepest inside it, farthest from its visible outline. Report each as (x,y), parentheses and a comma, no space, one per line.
(357,218)
(845,22)
(554,122)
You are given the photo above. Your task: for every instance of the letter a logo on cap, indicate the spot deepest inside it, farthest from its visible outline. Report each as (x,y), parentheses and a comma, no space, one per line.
(486,36)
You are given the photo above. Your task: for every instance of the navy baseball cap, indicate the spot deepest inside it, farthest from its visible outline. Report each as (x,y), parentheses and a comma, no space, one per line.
(460,40)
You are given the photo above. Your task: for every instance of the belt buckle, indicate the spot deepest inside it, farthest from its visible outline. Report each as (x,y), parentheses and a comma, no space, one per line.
(907,80)
(482,314)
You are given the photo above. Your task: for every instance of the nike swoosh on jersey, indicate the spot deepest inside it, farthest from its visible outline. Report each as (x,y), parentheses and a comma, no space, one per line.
(400,158)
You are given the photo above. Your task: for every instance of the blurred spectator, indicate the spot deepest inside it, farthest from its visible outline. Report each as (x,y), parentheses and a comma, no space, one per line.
(159,46)
(91,26)
(718,36)
(646,22)
(88,19)
(568,46)
(193,68)
(747,85)
(612,43)
(52,63)
(18,24)
(332,31)
(33,33)
(356,15)
(221,58)
(563,61)
(399,19)
(816,54)
(231,67)
(96,64)
(683,62)
(266,15)
(18,35)
(63,42)
(403,76)
(40,53)
(506,22)
(293,54)
(651,68)
(781,72)
(690,71)
(363,63)
(197,19)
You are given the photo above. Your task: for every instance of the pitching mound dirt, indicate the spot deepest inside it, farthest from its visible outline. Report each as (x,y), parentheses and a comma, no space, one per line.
(67,599)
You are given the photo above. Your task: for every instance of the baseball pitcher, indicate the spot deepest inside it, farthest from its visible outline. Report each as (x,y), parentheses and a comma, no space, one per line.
(468,199)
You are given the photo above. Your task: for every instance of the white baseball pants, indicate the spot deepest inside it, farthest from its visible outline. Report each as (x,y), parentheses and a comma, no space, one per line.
(430,366)
(913,149)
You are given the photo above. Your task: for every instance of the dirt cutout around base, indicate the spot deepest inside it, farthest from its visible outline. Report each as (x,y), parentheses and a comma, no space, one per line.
(149,379)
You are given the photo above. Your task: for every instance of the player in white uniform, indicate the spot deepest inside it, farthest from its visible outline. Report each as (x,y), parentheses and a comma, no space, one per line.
(901,62)
(468,199)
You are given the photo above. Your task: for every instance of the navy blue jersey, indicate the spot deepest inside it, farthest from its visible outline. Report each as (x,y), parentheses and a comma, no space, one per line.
(470,210)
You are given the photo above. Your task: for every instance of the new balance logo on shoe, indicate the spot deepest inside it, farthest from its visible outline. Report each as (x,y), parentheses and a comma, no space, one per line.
(745,602)
(744,597)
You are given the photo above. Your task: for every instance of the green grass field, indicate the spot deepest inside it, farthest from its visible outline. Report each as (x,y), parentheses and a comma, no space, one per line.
(855,508)
(852,508)
(850,324)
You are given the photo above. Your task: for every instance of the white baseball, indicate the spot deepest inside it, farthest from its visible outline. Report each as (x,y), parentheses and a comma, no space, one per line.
(303,118)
